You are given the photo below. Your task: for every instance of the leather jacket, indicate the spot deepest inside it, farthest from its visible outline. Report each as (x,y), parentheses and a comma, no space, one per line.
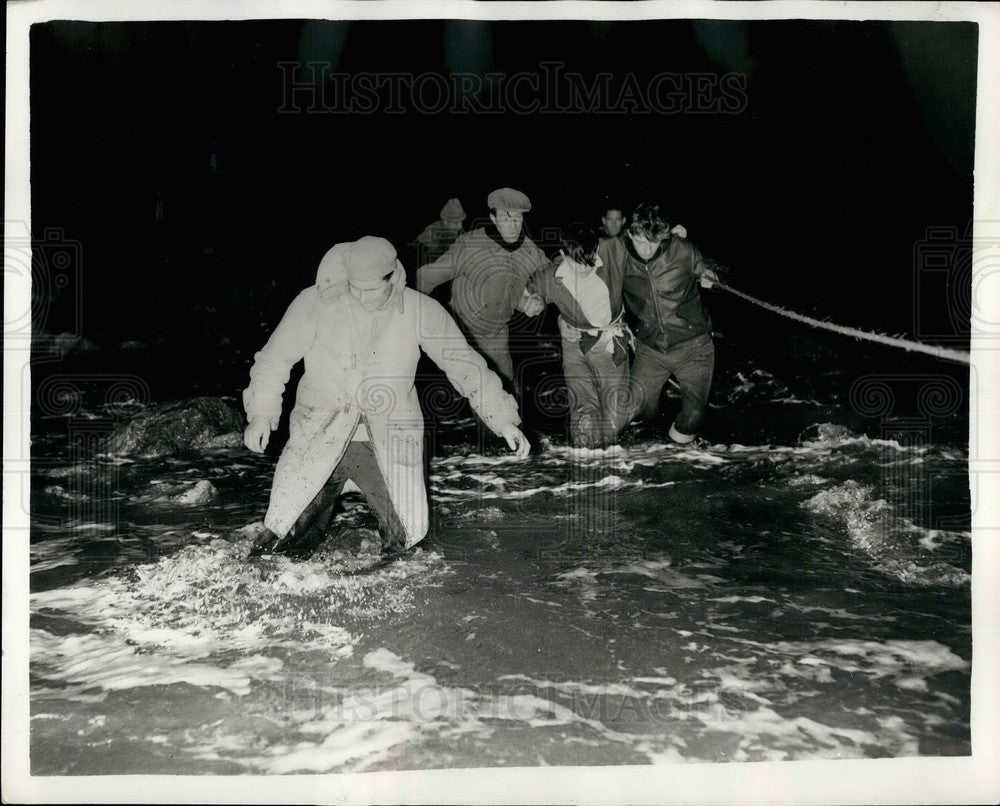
(662,292)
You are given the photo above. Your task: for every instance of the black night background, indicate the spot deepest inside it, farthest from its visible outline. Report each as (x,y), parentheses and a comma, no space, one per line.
(203,177)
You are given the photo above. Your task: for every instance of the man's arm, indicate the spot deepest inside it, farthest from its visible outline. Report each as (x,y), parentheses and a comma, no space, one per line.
(705,269)
(444,343)
(273,363)
(426,236)
(537,292)
(445,268)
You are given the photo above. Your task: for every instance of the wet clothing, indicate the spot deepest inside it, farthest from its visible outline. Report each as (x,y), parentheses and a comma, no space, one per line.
(691,362)
(487,277)
(673,325)
(598,395)
(360,363)
(360,465)
(595,342)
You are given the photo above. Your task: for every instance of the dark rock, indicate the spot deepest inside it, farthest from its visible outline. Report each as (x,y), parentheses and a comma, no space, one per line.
(184,425)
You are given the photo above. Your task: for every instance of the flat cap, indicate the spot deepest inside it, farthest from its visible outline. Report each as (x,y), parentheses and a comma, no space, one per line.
(369,258)
(508,199)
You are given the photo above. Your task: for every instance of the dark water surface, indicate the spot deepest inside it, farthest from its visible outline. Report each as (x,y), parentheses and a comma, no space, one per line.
(794,586)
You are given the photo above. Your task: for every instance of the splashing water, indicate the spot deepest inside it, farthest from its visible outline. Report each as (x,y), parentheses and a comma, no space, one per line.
(643,604)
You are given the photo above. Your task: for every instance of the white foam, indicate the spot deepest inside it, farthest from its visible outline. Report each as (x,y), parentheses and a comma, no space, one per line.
(367,742)
(108,663)
(799,480)
(885,538)
(734,598)
(165,621)
(740,703)
(608,482)
(792,399)
(661,571)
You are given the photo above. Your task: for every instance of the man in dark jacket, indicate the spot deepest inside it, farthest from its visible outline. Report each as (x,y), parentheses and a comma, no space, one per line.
(488,269)
(661,273)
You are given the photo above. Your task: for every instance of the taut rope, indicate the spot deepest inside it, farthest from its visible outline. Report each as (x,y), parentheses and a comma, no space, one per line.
(891,341)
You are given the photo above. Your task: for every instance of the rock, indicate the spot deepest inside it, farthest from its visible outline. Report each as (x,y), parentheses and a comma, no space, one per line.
(202,492)
(184,425)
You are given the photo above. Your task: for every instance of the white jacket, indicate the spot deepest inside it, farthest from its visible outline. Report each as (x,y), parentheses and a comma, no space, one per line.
(363,364)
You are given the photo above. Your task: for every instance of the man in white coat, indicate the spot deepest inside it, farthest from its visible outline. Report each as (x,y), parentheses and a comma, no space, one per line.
(357,415)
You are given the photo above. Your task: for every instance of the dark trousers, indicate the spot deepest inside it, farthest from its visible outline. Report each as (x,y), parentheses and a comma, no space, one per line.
(691,362)
(360,466)
(494,346)
(598,390)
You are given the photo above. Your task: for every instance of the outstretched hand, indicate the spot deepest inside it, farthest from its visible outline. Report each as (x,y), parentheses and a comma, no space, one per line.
(258,434)
(517,441)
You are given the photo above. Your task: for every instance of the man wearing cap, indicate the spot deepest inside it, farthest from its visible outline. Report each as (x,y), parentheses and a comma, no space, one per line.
(489,268)
(356,414)
(437,237)
(661,272)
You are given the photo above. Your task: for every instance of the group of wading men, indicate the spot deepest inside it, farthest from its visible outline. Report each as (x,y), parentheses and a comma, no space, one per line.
(359,330)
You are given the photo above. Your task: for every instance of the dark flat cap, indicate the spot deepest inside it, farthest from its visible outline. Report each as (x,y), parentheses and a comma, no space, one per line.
(508,199)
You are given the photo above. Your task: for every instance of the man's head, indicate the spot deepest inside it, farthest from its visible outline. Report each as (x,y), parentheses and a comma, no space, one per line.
(370,263)
(613,218)
(649,228)
(507,209)
(579,245)
(452,214)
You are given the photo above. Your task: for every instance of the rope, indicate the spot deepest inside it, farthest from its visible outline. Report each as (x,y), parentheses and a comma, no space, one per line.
(915,346)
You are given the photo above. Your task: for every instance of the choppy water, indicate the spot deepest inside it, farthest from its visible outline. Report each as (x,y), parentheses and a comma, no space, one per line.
(794,595)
